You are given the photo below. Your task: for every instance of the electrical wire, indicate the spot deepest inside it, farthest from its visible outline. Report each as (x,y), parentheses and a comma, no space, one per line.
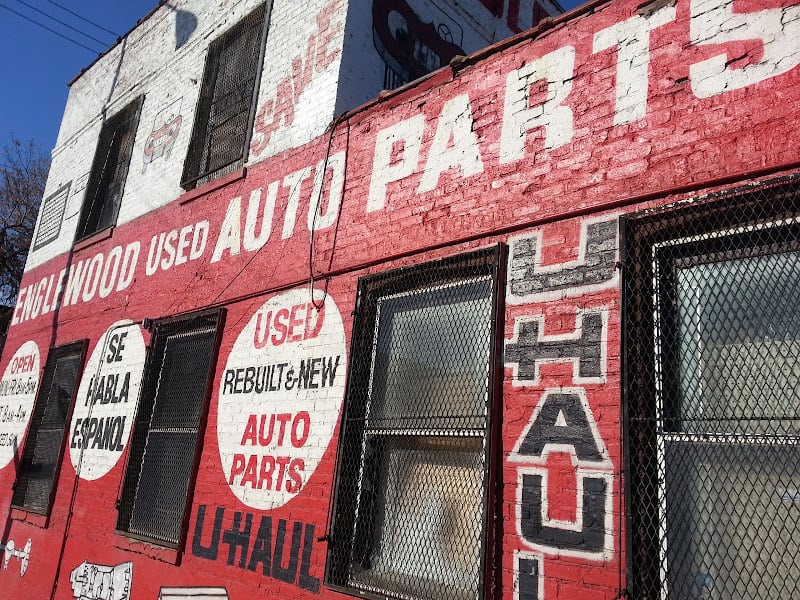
(79,465)
(51,30)
(60,22)
(341,118)
(74,14)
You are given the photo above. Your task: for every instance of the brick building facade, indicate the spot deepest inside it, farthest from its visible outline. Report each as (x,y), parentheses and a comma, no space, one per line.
(524,328)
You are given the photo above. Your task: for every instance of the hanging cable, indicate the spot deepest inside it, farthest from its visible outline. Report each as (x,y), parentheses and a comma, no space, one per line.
(84,19)
(316,208)
(51,30)
(60,22)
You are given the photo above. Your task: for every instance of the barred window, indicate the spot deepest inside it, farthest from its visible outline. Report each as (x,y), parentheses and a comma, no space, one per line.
(167,431)
(410,507)
(225,109)
(713,380)
(44,448)
(106,183)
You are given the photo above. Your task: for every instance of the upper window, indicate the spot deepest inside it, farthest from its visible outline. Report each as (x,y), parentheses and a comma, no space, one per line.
(713,393)
(109,171)
(410,508)
(167,432)
(224,114)
(44,447)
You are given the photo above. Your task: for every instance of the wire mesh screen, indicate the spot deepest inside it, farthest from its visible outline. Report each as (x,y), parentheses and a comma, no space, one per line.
(51,216)
(712,349)
(171,411)
(109,170)
(41,457)
(226,99)
(410,509)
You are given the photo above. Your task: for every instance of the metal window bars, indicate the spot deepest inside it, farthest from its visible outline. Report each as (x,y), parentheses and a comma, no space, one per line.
(109,171)
(411,489)
(44,447)
(712,396)
(170,418)
(225,106)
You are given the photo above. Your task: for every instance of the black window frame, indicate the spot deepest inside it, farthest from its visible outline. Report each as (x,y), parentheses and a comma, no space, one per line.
(724,227)
(109,174)
(205,160)
(449,272)
(30,465)
(164,332)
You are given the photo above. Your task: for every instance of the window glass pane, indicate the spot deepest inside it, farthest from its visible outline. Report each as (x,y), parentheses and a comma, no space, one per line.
(711,291)
(732,529)
(431,362)
(739,336)
(426,540)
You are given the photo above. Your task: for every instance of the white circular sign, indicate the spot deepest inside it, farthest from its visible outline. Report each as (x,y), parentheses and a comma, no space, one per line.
(106,402)
(280,397)
(17,396)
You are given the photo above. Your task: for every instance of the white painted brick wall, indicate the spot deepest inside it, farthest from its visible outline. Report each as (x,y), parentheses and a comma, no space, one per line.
(346,71)
(147,62)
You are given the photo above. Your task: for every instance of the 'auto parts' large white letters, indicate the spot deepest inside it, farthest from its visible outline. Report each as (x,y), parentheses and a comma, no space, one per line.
(773,35)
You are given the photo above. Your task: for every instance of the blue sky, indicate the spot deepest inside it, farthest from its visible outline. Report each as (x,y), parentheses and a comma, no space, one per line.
(37,64)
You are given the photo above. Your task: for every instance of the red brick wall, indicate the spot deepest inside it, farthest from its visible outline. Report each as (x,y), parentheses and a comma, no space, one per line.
(491,166)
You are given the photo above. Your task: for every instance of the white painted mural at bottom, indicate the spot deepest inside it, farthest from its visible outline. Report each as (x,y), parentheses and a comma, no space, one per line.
(102,582)
(23,555)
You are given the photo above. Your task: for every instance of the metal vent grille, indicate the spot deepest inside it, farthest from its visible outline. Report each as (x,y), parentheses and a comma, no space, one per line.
(109,170)
(410,508)
(44,447)
(51,217)
(170,417)
(712,381)
(225,105)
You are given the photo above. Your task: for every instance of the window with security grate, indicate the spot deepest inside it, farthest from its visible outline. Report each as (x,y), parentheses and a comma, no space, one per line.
(410,509)
(106,183)
(713,397)
(225,108)
(44,448)
(166,436)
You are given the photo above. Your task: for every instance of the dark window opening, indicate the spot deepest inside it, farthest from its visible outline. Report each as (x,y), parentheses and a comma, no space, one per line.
(712,385)
(106,183)
(225,109)
(168,427)
(41,458)
(411,503)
